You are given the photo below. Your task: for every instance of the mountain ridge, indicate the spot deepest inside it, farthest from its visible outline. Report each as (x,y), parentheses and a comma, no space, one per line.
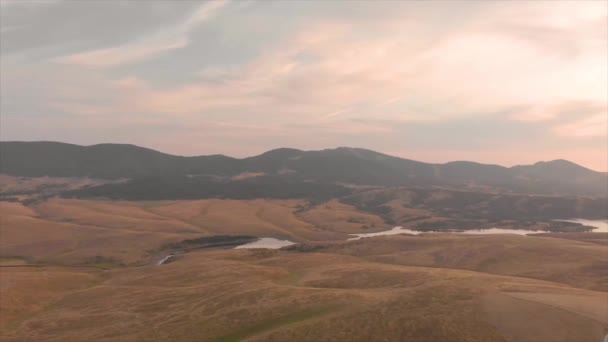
(339,148)
(337,165)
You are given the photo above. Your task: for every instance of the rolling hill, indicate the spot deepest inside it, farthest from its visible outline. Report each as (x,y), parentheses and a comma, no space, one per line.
(341,165)
(86,267)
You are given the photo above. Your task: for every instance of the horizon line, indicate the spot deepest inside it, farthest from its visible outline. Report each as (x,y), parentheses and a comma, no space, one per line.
(297,149)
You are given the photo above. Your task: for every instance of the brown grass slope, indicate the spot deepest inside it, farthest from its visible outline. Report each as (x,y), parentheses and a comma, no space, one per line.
(70,231)
(259,295)
(576,263)
(431,287)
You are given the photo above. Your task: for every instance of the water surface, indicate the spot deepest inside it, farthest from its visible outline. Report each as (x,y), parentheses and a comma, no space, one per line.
(270,243)
(164,260)
(393,231)
(491,231)
(601,226)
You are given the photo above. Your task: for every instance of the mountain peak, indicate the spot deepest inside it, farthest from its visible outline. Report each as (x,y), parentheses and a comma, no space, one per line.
(557,162)
(561,164)
(342,164)
(282,152)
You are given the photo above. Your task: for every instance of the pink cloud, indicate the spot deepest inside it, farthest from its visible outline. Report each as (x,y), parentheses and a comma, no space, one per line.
(397,71)
(169,38)
(586,127)
(480,67)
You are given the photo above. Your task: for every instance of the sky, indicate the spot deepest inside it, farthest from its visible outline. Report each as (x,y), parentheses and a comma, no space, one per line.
(503,82)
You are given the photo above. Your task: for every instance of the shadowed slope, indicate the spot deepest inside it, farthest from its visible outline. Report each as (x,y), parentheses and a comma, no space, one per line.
(344,165)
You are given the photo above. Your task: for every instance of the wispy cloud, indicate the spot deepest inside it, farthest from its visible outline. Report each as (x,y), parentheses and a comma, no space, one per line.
(587,127)
(421,76)
(169,38)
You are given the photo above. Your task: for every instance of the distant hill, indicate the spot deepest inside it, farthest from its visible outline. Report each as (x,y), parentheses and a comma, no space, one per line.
(341,165)
(106,161)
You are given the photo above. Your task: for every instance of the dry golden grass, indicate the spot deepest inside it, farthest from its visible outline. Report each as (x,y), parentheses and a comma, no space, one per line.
(340,217)
(26,291)
(72,231)
(15,209)
(431,287)
(264,218)
(516,317)
(571,262)
(598,238)
(12,261)
(56,239)
(262,295)
(116,215)
(400,213)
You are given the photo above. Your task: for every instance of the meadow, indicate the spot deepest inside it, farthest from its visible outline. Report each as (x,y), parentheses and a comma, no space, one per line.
(84,270)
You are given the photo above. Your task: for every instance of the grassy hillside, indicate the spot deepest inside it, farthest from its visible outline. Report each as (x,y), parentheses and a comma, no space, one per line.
(73,270)
(402,205)
(577,263)
(340,165)
(70,231)
(254,295)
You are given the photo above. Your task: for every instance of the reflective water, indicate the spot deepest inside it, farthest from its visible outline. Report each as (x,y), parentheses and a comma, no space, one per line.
(270,243)
(393,231)
(600,226)
(501,231)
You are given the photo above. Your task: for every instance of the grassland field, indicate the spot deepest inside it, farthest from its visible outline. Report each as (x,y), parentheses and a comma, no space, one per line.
(81,270)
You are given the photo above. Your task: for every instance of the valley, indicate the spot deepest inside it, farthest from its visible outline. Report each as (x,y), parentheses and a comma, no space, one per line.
(266,256)
(303,171)
(89,269)
(274,295)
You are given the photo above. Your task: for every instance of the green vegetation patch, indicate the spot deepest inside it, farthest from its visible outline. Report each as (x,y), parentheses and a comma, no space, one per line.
(102,262)
(215,241)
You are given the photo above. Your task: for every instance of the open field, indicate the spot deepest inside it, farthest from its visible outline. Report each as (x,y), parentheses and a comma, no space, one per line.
(70,231)
(303,171)
(336,216)
(598,238)
(571,262)
(81,270)
(262,295)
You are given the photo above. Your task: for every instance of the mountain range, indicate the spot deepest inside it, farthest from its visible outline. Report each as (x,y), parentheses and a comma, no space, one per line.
(343,166)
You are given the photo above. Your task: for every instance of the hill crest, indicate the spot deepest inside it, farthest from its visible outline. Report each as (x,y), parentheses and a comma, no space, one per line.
(337,165)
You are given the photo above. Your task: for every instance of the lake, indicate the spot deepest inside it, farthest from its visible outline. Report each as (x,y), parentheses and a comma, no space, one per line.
(270,243)
(600,226)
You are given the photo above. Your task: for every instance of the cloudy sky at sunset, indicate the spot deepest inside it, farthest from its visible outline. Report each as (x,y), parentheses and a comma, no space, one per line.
(505,82)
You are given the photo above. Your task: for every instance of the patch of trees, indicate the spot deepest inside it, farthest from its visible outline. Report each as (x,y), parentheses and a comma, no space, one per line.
(450,225)
(169,188)
(216,241)
(473,206)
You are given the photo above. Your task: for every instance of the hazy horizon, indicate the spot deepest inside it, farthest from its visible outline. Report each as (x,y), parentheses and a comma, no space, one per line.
(493,82)
(325,170)
(304,149)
